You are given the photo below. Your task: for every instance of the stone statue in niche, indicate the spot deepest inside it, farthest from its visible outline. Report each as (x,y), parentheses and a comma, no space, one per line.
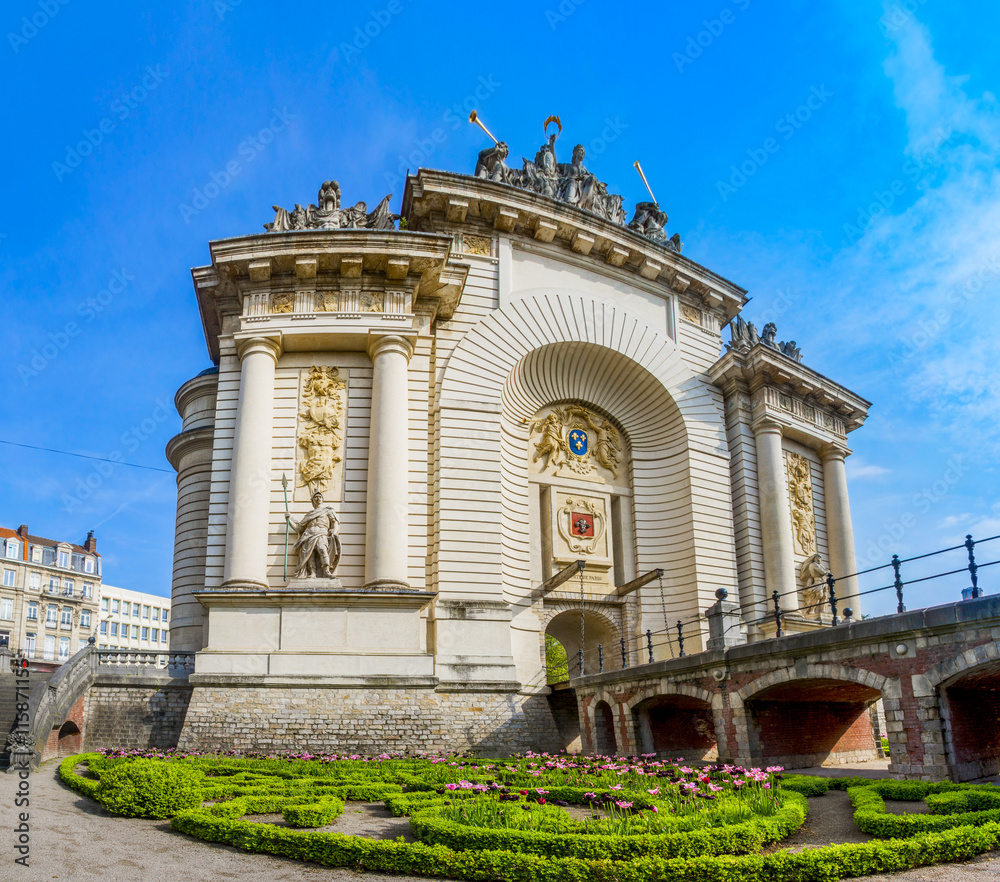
(319,434)
(812,579)
(318,545)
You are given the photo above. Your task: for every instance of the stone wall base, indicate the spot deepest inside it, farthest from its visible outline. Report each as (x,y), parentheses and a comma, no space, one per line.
(135,717)
(366,720)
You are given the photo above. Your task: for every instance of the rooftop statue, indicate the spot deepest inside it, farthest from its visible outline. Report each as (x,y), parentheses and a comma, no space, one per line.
(328,215)
(571,183)
(744,336)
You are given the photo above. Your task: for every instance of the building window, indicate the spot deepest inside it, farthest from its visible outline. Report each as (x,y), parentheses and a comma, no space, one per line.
(64,558)
(53,585)
(50,648)
(85,618)
(145,612)
(67,617)
(6,608)
(156,614)
(145,634)
(12,549)
(114,606)
(165,614)
(82,644)
(135,632)
(126,608)
(114,629)
(104,604)
(51,614)
(33,610)
(36,554)
(104,628)
(88,590)
(88,565)
(163,636)
(156,635)
(35,581)
(68,587)
(135,610)
(8,578)
(29,644)
(63,648)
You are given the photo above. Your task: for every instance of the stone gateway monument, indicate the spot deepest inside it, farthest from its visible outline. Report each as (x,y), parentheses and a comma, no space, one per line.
(505,419)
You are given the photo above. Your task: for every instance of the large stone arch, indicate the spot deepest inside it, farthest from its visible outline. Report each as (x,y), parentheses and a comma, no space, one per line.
(556,347)
(810,672)
(679,710)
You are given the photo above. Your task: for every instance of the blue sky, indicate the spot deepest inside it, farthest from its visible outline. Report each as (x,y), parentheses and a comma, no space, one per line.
(838,160)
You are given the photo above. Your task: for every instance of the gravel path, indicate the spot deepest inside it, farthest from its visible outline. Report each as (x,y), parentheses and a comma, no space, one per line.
(74,839)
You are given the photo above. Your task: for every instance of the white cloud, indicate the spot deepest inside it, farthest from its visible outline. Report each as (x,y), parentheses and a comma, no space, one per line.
(860,471)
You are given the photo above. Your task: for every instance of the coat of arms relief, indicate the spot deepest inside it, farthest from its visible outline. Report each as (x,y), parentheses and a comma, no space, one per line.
(320,435)
(571,439)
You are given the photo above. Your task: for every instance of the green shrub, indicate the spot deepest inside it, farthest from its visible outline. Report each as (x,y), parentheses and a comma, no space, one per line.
(316,814)
(149,789)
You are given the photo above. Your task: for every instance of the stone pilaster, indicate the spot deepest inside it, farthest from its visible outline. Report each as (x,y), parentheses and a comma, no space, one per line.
(386,534)
(250,479)
(775,518)
(839,531)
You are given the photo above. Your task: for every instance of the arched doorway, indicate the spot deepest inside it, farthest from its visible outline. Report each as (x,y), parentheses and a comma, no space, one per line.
(970,706)
(604,730)
(675,727)
(599,634)
(70,739)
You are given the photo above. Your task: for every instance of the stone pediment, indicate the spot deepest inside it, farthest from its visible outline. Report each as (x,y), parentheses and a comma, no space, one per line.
(440,201)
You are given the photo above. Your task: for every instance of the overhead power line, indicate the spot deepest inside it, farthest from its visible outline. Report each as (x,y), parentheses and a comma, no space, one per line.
(131,465)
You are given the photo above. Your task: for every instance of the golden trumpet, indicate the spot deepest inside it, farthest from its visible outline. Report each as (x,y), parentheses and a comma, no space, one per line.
(474,118)
(638,168)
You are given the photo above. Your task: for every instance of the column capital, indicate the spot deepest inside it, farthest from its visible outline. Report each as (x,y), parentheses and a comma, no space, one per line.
(252,345)
(833,451)
(379,344)
(765,426)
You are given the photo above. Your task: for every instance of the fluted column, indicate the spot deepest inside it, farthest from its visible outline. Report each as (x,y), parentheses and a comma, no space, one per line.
(775,516)
(839,531)
(250,475)
(387,534)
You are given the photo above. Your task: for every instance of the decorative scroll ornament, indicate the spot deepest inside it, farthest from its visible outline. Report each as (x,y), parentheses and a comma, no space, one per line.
(319,428)
(328,215)
(582,524)
(800,493)
(572,183)
(573,437)
(812,579)
(744,336)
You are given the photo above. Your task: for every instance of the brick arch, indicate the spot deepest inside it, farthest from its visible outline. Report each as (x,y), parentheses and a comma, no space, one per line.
(685,689)
(813,672)
(960,663)
(613,614)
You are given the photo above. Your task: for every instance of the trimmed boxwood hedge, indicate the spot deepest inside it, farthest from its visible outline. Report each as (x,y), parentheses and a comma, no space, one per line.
(308,793)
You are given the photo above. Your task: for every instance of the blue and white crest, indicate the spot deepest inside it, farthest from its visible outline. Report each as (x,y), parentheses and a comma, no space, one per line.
(578,442)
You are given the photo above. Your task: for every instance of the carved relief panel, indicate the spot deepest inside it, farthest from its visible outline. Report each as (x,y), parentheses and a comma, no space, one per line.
(320,434)
(800,493)
(571,441)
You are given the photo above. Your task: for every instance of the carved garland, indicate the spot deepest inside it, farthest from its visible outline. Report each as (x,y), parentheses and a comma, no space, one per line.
(801,499)
(319,437)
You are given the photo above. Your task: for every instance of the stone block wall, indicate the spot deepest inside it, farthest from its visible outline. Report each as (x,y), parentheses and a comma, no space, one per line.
(131,715)
(366,720)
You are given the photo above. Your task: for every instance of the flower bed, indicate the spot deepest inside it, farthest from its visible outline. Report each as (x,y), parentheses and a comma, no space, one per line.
(544,817)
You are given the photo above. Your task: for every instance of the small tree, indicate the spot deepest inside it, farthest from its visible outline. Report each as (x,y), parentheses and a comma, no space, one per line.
(556,663)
